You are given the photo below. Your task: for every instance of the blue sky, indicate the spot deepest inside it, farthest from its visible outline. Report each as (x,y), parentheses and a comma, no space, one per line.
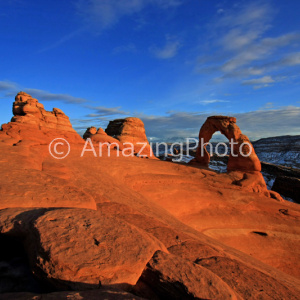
(170,62)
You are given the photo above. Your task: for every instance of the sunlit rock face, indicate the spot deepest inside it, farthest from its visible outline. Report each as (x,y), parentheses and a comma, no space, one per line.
(32,122)
(100,136)
(131,130)
(243,158)
(28,110)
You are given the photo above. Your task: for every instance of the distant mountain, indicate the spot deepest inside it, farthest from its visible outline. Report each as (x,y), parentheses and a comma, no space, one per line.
(280,150)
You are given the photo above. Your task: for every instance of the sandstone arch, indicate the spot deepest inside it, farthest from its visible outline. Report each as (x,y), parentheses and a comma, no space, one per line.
(227,126)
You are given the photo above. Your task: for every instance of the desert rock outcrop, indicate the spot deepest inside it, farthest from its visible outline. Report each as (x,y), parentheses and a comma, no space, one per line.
(28,110)
(100,136)
(32,122)
(130,130)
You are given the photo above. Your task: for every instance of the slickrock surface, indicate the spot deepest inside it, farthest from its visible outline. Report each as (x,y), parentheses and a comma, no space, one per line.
(175,278)
(130,130)
(162,199)
(80,249)
(155,229)
(29,179)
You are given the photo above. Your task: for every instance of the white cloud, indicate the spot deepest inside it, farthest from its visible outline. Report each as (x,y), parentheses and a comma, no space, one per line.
(7,85)
(268,105)
(251,13)
(205,102)
(258,50)
(101,111)
(241,47)
(12,88)
(257,81)
(169,50)
(47,96)
(292,59)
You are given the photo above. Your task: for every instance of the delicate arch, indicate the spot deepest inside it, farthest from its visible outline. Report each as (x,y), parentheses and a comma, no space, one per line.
(244,157)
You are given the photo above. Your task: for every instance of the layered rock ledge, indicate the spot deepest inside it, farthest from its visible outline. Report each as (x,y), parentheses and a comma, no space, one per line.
(32,122)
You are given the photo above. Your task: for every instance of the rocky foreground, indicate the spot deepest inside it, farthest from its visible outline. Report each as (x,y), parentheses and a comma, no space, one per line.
(87,227)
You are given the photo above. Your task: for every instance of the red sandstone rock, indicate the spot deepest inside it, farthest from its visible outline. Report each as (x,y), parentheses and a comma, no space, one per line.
(130,130)
(193,250)
(241,278)
(167,276)
(99,138)
(80,249)
(32,178)
(228,127)
(90,132)
(242,158)
(28,110)
(32,122)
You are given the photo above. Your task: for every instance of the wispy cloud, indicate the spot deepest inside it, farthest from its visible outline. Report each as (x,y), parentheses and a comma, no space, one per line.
(101,111)
(47,96)
(268,105)
(292,59)
(242,47)
(99,118)
(259,82)
(103,14)
(62,40)
(7,86)
(12,88)
(212,101)
(169,50)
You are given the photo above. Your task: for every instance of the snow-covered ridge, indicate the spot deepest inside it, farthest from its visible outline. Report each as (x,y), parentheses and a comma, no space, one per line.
(281,150)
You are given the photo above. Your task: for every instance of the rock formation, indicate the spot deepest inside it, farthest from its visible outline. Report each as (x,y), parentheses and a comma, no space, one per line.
(29,111)
(32,122)
(131,130)
(100,136)
(90,131)
(124,228)
(243,158)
